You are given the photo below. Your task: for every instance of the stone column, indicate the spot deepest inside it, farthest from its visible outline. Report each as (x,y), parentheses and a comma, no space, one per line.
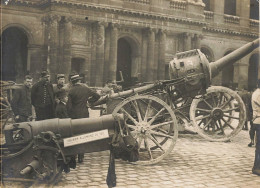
(100,53)
(107,54)
(197,41)
(162,48)
(186,41)
(244,12)
(144,56)
(53,44)
(34,62)
(218,9)
(113,52)
(150,55)
(66,64)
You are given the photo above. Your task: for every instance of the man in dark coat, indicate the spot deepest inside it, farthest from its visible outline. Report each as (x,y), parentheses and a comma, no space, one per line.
(21,101)
(61,109)
(78,98)
(43,97)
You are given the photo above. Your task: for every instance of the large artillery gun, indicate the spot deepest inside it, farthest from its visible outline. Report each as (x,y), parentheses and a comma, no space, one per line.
(157,109)
(40,151)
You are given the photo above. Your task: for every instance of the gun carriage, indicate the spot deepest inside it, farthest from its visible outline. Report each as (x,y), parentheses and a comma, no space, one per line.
(151,113)
(154,111)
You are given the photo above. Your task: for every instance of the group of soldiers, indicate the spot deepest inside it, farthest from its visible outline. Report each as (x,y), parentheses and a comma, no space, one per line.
(53,100)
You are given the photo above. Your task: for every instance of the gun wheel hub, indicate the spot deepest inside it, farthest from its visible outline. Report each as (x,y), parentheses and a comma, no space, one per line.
(217,114)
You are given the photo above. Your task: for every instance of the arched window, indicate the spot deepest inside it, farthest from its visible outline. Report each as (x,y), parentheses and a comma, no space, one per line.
(230,7)
(228,74)
(254,10)
(253,72)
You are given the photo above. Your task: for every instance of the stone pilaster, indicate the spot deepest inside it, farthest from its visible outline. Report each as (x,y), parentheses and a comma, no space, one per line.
(187,41)
(150,55)
(243,7)
(218,9)
(144,56)
(113,51)
(34,63)
(53,44)
(66,64)
(197,41)
(162,48)
(107,54)
(100,53)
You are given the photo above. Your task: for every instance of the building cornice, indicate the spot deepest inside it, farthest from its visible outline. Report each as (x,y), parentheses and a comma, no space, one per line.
(230,32)
(159,16)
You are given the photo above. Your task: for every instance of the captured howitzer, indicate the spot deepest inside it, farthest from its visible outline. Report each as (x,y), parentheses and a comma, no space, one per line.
(154,111)
(41,150)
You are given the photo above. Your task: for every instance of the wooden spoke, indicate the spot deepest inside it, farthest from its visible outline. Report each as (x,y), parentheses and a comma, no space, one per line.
(147,110)
(129,116)
(156,115)
(213,99)
(136,106)
(148,148)
(225,104)
(203,110)
(220,99)
(131,126)
(228,124)
(160,124)
(162,130)
(160,134)
(203,117)
(230,110)
(4,105)
(156,142)
(207,124)
(207,104)
(221,127)
(230,116)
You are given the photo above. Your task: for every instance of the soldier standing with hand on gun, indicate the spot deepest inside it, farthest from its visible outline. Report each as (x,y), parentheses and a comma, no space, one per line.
(78,98)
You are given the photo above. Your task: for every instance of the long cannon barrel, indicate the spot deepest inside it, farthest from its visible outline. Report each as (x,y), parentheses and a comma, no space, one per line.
(103,99)
(66,127)
(218,65)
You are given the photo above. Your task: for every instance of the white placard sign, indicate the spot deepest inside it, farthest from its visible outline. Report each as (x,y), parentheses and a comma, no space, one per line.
(89,137)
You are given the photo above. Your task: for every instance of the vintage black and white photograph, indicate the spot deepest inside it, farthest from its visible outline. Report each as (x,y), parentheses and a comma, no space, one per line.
(130,94)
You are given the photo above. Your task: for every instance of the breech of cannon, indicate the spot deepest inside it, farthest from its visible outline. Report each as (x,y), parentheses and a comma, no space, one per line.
(217,66)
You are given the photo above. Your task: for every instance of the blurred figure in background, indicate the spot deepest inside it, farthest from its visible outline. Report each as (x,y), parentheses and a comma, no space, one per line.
(256,120)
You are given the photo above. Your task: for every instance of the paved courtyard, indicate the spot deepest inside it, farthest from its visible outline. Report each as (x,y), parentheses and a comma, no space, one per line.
(194,162)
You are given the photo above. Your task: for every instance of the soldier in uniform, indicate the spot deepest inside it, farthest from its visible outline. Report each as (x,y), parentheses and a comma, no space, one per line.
(78,98)
(21,102)
(42,96)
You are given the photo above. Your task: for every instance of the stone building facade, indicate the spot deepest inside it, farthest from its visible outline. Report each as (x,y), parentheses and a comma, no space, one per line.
(99,38)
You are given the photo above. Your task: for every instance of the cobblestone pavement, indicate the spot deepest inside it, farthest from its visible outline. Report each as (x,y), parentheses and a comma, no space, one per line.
(194,162)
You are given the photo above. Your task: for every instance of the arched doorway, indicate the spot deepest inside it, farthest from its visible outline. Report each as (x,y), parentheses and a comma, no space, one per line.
(207,53)
(124,59)
(14,54)
(253,71)
(228,74)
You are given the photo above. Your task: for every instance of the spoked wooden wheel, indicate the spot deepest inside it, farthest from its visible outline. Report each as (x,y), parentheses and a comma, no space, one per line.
(152,123)
(7,115)
(219,114)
